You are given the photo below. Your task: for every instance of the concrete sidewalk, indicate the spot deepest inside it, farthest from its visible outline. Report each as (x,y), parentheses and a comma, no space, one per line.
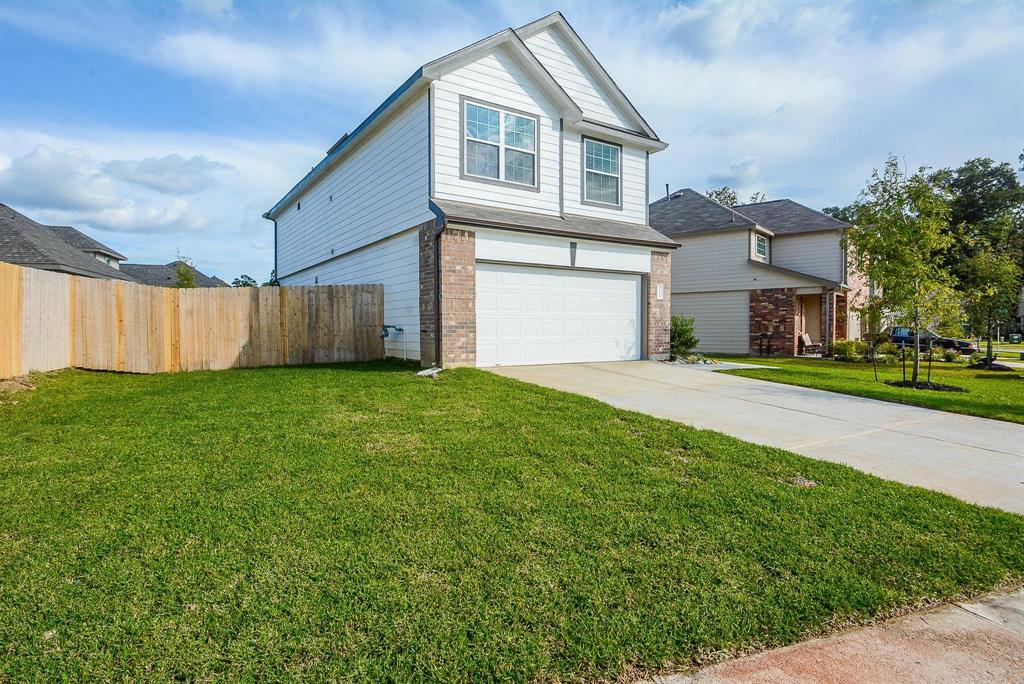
(975,459)
(962,643)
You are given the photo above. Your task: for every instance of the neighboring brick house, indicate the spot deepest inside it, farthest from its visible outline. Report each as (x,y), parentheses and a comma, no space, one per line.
(500,196)
(745,272)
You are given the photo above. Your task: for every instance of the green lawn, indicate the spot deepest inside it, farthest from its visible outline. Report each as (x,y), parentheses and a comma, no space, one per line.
(990,394)
(356,522)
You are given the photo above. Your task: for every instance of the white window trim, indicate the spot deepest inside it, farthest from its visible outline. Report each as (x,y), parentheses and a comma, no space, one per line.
(758,241)
(501,145)
(584,171)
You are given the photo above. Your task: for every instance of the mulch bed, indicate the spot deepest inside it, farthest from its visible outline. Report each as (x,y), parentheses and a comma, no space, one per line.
(922,384)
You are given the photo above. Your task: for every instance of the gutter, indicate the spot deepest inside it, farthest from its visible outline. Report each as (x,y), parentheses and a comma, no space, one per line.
(277,276)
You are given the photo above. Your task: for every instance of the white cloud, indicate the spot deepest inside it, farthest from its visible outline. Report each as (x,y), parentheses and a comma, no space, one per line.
(65,180)
(171,174)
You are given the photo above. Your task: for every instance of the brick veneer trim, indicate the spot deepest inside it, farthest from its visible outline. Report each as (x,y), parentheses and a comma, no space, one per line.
(774,310)
(659,312)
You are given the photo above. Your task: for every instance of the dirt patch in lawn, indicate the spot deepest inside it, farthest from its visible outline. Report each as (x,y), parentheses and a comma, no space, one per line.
(12,386)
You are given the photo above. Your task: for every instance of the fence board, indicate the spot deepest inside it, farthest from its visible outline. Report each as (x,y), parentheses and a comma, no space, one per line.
(52,320)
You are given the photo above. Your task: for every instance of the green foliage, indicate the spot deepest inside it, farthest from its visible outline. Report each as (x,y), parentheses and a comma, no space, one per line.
(993,284)
(847,213)
(898,243)
(682,338)
(186,277)
(951,355)
(359,523)
(728,197)
(272,281)
(849,350)
(244,281)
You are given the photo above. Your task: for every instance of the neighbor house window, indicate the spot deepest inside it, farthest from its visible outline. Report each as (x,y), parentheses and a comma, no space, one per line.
(500,145)
(761,246)
(602,172)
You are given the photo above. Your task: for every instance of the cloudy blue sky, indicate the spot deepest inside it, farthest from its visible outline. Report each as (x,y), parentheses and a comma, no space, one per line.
(170,127)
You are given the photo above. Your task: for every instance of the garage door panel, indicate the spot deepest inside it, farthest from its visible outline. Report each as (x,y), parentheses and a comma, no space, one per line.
(533,315)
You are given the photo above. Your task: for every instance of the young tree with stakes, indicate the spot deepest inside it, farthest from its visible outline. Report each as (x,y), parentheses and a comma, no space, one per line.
(897,244)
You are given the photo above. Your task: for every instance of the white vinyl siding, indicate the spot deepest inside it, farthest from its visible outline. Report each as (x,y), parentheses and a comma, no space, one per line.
(533,315)
(505,245)
(633,164)
(393,263)
(565,66)
(819,254)
(721,319)
(494,80)
(379,189)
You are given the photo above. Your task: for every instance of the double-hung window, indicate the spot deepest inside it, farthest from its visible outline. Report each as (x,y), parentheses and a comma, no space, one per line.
(602,172)
(500,145)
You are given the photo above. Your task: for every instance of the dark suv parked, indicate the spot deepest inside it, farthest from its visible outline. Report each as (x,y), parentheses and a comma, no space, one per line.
(903,336)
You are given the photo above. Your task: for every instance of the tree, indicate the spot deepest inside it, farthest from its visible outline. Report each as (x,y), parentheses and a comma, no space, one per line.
(897,243)
(244,281)
(724,195)
(993,291)
(272,281)
(727,197)
(847,213)
(986,211)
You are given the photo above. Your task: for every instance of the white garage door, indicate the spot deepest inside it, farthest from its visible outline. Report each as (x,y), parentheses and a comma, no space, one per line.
(532,315)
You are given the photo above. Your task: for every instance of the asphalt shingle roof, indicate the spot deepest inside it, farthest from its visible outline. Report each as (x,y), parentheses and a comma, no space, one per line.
(568,225)
(785,217)
(687,211)
(77,238)
(166,275)
(27,243)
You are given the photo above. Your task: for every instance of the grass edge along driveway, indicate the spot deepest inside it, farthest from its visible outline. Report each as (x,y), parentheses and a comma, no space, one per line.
(990,394)
(317,523)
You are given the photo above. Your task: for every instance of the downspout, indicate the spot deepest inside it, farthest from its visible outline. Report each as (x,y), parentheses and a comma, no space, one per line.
(440,223)
(277,276)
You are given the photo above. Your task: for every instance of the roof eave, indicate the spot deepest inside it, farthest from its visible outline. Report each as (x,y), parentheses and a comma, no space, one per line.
(822,281)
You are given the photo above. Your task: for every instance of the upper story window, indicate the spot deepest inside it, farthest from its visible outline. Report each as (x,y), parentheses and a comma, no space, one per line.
(602,173)
(761,246)
(500,145)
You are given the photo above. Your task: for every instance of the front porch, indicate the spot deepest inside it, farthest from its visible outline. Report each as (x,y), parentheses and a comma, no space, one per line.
(797,321)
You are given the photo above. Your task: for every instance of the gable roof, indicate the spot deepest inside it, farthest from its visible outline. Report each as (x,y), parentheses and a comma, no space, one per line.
(166,275)
(568,225)
(686,212)
(27,243)
(80,240)
(557,21)
(512,40)
(786,217)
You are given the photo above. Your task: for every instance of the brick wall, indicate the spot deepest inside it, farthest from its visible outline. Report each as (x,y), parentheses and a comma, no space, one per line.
(774,310)
(842,316)
(458,297)
(659,312)
(427,319)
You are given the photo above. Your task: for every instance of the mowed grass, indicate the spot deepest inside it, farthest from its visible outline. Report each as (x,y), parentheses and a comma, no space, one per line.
(990,394)
(357,522)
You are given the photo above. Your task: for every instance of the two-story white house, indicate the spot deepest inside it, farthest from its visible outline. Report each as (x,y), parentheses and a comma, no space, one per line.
(500,196)
(748,271)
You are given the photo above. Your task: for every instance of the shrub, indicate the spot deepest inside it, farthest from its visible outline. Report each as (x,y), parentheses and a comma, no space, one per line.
(849,350)
(681,338)
(951,355)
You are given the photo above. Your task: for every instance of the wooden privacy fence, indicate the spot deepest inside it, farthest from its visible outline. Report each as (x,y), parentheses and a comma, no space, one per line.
(52,320)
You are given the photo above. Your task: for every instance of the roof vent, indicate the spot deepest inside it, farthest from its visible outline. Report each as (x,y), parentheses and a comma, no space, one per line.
(335,146)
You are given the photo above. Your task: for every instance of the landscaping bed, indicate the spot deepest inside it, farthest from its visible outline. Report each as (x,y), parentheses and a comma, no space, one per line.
(984,393)
(357,522)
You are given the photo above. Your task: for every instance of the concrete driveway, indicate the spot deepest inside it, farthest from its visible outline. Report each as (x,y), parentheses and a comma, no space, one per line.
(975,459)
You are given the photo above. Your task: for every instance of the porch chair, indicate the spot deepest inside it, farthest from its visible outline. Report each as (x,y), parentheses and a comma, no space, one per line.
(806,346)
